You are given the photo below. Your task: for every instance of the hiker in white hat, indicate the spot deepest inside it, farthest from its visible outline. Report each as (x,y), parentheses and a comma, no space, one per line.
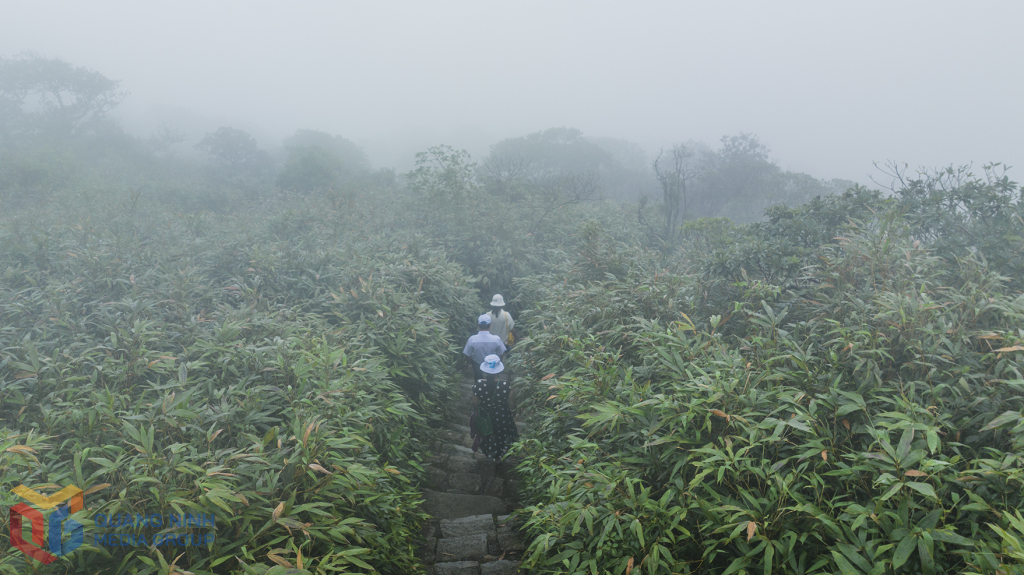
(501,321)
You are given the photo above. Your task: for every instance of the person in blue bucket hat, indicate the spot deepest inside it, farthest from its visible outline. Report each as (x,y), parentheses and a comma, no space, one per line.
(492,425)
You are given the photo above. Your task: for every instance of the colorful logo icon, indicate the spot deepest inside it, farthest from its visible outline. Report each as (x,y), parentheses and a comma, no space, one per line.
(52,536)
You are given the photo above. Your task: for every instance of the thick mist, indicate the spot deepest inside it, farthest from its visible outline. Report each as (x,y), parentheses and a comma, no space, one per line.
(829,88)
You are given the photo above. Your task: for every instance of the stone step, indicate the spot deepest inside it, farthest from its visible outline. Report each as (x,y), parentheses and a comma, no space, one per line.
(503,567)
(457,568)
(468,483)
(456,438)
(456,464)
(469,526)
(465,548)
(442,505)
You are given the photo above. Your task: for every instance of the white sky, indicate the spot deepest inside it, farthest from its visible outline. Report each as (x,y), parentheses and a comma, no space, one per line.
(830,87)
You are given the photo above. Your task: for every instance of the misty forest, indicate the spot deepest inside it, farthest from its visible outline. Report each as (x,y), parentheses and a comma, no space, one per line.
(720,366)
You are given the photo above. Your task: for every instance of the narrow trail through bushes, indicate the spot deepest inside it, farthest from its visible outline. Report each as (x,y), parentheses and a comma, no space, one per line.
(469,498)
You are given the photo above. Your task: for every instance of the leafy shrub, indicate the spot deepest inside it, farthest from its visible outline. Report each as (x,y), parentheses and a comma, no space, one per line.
(861,411)
(308,169)
(205,365)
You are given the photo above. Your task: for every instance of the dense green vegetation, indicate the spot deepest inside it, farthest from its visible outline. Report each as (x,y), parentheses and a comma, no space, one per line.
(280,381)
(819,393)
(833,388)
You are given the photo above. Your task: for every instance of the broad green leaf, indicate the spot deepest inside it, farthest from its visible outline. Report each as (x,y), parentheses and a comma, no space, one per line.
(903,551)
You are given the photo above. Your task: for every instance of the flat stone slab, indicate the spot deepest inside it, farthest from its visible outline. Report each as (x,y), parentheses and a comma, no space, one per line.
(457,568)
(459,464)
(502,567)
(454,505)
(464,482)
(465,548)
(469,526)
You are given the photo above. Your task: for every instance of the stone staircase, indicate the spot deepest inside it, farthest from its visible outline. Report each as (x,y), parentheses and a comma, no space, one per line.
(470,498)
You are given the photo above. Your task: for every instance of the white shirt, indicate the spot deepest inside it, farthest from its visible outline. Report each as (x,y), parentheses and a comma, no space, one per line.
(482,345)
(502,325)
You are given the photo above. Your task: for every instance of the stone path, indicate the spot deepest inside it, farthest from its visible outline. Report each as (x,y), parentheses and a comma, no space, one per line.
(470,498)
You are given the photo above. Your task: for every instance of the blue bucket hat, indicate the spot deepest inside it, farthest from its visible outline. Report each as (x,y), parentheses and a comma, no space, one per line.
(492,364)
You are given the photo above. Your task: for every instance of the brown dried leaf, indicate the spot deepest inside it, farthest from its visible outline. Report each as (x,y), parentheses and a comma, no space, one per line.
(915,473)
(547,377)
(824,455)
(95,488)
(751,529)
(1011,348)
(280,561)
(309,429)
(719,413)
(629,566)
(277,511)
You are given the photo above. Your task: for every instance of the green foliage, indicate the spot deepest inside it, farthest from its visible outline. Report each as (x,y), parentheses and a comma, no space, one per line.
(352,157)
(444,175)
(234,149)
(251,368)
(37,173)
(958,212)
(847,401)
(836,389)
(308,169)
(552,152)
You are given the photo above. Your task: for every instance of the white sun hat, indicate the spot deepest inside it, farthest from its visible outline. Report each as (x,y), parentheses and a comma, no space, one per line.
(492,364)
(497,300)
